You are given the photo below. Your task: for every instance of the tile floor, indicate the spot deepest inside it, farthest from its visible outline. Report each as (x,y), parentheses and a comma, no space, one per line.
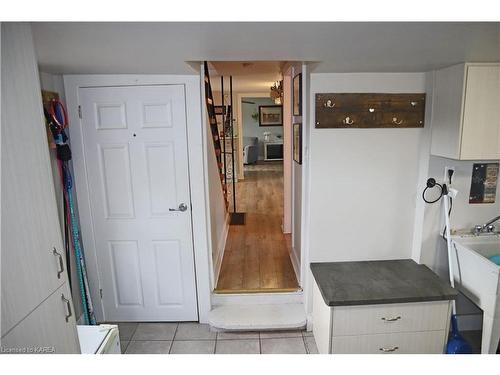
(195,338)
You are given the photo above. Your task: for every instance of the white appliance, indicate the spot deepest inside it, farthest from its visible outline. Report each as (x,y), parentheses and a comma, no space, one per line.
(100,339)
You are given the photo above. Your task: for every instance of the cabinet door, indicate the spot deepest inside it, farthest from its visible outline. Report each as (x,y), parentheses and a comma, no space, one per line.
(481,116)
(50,328)
(30,227)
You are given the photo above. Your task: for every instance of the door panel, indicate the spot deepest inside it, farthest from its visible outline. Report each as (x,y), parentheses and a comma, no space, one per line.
(167,254)
(481,115)
(160,161)
(136,159)
(125,268)
(114,165)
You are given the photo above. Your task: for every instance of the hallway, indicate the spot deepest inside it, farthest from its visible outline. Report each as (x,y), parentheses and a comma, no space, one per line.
(256,258)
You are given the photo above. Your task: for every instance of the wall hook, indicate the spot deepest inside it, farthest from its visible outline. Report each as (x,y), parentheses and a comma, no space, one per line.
(348,121)
(329,104)
(395,121)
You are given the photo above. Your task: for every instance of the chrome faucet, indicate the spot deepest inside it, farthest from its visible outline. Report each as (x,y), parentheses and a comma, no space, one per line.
(487,227)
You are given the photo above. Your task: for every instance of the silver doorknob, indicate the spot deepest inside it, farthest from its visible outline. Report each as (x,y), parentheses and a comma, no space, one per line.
(182,207)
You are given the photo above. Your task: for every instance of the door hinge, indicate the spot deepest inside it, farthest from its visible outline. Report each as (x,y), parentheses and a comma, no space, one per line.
(80,111)
(100,293)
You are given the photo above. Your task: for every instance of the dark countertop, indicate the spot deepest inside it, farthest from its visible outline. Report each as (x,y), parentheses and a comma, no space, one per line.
(377,282)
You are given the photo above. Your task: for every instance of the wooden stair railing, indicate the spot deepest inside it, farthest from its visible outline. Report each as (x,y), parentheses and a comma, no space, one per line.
(214,129)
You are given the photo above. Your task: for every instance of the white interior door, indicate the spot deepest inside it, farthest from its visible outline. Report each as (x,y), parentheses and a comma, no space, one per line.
(135,148)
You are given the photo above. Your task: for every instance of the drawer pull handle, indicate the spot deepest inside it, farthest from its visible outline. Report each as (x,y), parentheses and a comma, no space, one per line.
(393,319)
(388,350)
(61,263)
(68,305)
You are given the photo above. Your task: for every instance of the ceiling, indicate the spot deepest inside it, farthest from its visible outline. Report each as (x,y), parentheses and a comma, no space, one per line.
(248,76)
(243,68)
(337,47)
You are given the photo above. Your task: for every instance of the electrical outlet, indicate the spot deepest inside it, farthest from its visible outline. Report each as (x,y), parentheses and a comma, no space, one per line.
(453,193)
(446,177)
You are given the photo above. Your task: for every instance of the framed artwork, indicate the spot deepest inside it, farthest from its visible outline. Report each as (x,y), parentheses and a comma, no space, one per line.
(297,95)
(297,143)
(270,115)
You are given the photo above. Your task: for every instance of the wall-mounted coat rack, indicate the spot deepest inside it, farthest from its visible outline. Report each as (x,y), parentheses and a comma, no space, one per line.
(347,110)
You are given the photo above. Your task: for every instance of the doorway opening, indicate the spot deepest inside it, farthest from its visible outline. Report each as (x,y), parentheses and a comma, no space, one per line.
(256,134)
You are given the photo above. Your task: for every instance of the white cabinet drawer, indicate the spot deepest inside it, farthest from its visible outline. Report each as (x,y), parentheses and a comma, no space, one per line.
(399,317)
(430,342)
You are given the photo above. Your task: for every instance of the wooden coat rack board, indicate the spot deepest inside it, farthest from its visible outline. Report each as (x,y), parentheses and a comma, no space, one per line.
(370,110)
(47,97)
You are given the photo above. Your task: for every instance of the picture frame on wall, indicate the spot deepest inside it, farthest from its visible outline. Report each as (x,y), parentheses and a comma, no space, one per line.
(297,142)
(270,115)
(297,95)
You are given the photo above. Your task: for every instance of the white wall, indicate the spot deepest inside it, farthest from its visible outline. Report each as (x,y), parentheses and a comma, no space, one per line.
(363,181)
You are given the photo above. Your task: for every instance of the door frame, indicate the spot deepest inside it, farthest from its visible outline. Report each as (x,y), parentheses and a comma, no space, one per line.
(305,279)
(195,142)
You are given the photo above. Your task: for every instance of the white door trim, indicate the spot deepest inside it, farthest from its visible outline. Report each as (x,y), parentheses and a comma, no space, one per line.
(307,125)
(196,152)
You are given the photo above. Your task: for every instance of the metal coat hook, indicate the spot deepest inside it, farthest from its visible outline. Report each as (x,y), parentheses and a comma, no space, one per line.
(348,121)
(329,104)
(395,121)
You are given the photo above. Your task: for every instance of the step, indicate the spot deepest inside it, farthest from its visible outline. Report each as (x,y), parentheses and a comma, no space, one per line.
(296,297)
(258,317)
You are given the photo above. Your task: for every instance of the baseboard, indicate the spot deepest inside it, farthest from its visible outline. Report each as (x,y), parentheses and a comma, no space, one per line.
(221,247)
(295,264)
(309,327)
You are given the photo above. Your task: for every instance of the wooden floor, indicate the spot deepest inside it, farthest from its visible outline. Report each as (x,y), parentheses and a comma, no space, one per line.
(256,258)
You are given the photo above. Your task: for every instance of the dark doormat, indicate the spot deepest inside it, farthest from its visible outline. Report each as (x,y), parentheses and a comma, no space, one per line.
(237,218)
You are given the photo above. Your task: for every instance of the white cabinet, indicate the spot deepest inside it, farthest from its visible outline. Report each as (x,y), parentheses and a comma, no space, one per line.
(50,328)
(466,112)
(405,328)
(31,272)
